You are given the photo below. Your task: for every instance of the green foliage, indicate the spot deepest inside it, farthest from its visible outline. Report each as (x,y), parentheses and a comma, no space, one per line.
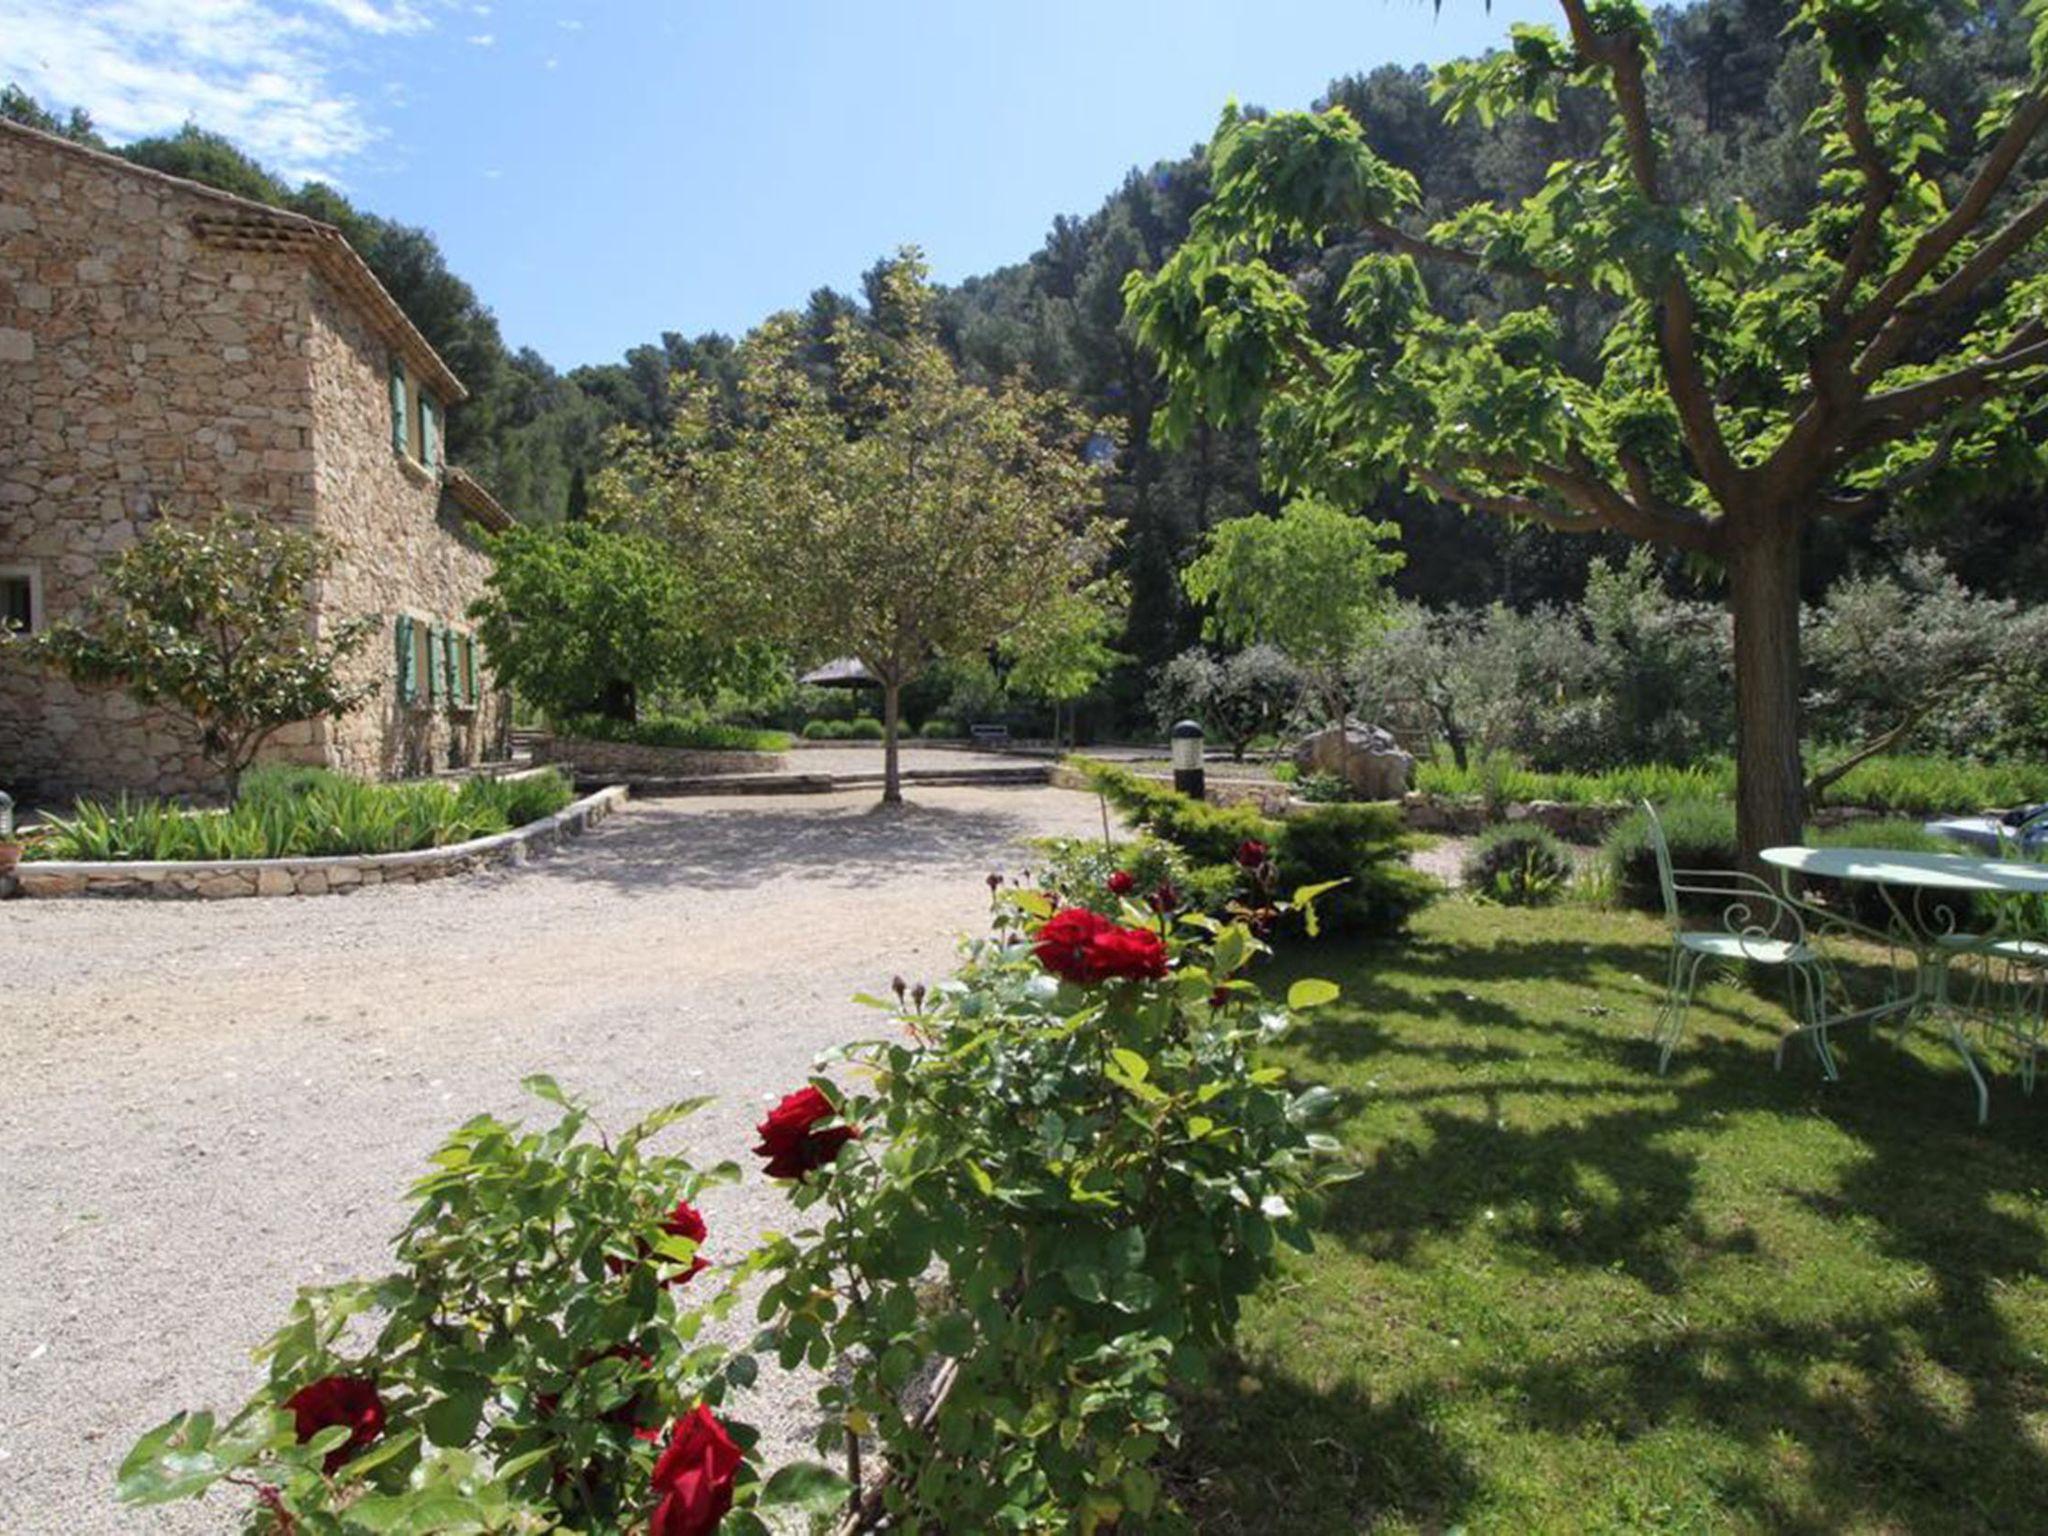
(673,731)
(1364,846)
(523,1337)
(303,813)
(942,730)
(1701,835)
(1237,698)
(1079,870)
(1324,789)
(210,621)
(1310,582)
(582,621)
(1904,783)
(880,506)
(1518,866)
(860,728)
(1061,1197)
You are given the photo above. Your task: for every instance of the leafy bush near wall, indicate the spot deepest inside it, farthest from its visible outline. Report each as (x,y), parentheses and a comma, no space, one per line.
(676,731)
(862,728)
(1518,866)
(1362,845)
(303,813)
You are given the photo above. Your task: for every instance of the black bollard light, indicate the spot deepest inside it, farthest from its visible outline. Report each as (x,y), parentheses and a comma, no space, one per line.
(1188,777)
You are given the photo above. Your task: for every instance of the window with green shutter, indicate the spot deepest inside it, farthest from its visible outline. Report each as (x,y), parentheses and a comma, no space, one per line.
(408,661)
(433,660)
(450,644)
(397,406)
(430,431)
(469,684)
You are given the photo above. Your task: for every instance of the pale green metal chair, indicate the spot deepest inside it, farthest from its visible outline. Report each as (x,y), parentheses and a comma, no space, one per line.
(1757,925)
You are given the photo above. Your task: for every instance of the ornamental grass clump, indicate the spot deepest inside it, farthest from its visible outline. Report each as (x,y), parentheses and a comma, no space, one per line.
(1523,865)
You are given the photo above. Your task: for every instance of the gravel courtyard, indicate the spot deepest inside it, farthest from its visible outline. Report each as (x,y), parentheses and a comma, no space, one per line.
(204,1106)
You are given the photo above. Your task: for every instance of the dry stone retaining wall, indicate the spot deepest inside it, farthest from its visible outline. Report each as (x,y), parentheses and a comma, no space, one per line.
(313,877)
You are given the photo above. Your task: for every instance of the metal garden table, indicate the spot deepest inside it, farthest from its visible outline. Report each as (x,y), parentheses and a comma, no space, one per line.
(1930,902)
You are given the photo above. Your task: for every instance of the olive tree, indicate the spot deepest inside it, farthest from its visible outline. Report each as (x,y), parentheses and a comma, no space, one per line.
(1755,376)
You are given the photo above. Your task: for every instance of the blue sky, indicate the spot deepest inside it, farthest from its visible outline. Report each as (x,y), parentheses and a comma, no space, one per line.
(605,170)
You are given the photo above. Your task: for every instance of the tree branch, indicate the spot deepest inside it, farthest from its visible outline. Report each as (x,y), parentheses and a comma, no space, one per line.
(1900,412)
(1879,188)
(1937,242)
(1678,346)
(1506,505)
(2017,233)
(1905,480)
(1452,255)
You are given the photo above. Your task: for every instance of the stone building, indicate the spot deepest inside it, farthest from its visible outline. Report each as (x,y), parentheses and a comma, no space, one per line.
(167,350)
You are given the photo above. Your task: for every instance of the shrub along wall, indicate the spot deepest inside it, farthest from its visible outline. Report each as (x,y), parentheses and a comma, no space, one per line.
(590,759)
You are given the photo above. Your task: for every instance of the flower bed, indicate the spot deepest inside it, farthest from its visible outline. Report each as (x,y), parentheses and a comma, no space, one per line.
(317,876)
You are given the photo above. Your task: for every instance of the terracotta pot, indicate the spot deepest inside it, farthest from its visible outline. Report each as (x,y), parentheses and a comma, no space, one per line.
(10,855)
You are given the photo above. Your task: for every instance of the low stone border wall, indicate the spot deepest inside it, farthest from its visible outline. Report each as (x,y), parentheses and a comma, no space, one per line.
(313,877)
(609,760)
(1269,796)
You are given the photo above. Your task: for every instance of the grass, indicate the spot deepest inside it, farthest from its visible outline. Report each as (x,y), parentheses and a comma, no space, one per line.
(303,813)
(1567,1295)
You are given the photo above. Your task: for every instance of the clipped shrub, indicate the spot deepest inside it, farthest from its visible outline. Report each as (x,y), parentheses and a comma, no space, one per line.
(1518,866)
(1365,846)
(1701,834)
(865,728)
(942,730)
(826,730)
(1323,789)
(674,731)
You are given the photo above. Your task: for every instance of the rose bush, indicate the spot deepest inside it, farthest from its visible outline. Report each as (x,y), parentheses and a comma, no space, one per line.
(530,1352)
(1027,1228)
(1071,1173)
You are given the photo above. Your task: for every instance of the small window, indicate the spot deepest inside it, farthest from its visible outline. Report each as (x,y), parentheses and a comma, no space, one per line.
(21,600)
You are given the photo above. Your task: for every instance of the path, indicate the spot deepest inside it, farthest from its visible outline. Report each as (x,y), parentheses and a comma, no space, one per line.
(203,1106)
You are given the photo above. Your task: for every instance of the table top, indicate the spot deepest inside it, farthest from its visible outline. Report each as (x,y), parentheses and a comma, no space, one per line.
(1925,871)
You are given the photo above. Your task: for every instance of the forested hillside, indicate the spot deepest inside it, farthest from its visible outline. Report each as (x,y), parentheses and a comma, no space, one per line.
(536,434)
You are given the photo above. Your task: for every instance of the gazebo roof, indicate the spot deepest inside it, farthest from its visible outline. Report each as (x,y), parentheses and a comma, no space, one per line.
(842,672)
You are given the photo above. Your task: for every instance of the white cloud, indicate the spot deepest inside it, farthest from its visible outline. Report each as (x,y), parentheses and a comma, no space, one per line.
(551,63)
(570,25)
(259,71)
(482,39)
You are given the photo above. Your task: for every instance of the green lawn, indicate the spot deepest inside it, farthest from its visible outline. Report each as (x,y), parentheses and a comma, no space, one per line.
(1566,1295)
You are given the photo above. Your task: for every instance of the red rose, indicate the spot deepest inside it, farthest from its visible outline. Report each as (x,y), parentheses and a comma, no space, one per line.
(349,1400)
(1085,948)
(792,1148)
(1251,853)
(694,1477)
(1122,883)
(1166,898)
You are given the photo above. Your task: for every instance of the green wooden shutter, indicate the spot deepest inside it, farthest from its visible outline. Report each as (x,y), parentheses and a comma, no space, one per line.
(430,442)
(469,688)
(397,405)
(448,645)
(408,673)
(433,662)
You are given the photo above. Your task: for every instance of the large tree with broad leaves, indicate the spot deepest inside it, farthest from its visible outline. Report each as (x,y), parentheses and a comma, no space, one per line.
(1754,377)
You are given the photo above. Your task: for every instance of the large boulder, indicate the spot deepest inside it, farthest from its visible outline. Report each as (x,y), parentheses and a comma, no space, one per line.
(1365,757)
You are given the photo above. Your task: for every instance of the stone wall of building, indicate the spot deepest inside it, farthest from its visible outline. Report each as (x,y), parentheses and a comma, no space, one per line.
(402,547)
(143,374)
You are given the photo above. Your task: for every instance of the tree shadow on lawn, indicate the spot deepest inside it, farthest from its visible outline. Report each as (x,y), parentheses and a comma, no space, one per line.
(662,847)
(1916,1398)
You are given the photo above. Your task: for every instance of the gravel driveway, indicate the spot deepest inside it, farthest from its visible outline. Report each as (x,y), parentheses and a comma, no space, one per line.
(204,1106)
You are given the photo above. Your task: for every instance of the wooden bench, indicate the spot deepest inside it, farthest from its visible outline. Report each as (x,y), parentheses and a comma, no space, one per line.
(990,733)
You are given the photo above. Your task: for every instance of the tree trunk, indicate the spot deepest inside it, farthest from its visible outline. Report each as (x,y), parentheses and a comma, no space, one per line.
(1763,593)
(892,719)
